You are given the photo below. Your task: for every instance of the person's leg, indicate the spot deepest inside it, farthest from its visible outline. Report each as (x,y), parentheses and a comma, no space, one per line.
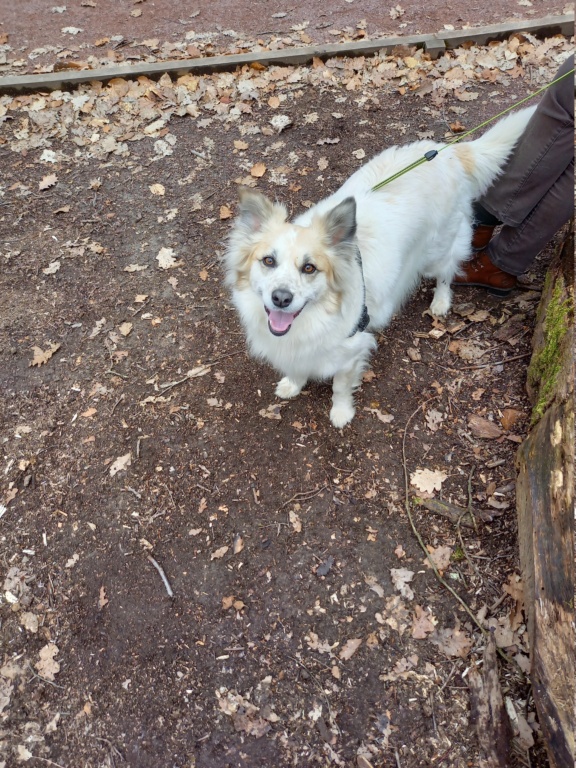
(533,197)
(513,249)
(543,153)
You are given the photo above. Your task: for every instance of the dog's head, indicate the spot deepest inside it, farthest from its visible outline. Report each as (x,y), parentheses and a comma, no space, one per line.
(291,268)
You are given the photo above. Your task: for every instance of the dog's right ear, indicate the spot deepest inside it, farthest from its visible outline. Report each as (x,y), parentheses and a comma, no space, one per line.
(255,210)
(340,222)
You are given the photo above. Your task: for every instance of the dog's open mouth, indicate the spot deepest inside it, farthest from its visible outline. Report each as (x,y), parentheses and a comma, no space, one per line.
(280,323)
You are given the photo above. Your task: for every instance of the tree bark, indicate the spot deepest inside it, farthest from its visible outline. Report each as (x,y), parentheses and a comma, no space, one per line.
(545,496)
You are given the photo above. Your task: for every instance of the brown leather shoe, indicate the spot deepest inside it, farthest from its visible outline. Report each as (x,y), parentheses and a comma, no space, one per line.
(482,236)
(481,272)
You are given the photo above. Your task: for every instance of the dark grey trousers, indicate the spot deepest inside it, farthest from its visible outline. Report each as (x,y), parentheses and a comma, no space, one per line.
(534,196)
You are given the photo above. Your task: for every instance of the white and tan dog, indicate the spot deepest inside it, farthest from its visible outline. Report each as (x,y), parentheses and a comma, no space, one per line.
(302,288)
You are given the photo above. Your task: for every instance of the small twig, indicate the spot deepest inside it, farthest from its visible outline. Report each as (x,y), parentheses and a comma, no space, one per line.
(144,305)
(45,680)
(397,756)
(445,683)
(162,575)
(112,747)
(443,756)
(304,496)
(131,490)
(46,760)
(116,404)
(498,362)
(188,377)
(112,372)
(341,469)
(469,512)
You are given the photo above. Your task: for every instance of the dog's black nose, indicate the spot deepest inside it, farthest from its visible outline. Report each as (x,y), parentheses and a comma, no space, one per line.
(282,298)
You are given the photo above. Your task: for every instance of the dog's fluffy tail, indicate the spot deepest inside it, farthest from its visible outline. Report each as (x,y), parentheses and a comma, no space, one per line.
(485,157)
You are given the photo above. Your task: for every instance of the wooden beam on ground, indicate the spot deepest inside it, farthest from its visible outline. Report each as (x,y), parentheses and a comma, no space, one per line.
(432,44)
(545,506)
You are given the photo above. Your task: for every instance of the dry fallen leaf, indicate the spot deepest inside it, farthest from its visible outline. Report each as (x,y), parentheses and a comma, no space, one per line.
(102,599)
(400,578)
(225,212)
(399,552)
(121,463)
(481,427)
(295,521)
(41,356)
(467,350)
(509,417)
(428,480)
(258,170)
(219,553)
(433,419)
(350,648)
(29,621)
(440,557)
(47,667)
(271,412)
(47,182)
(452,642)
(157,189)
(166,259)
(422,623)
(125,328)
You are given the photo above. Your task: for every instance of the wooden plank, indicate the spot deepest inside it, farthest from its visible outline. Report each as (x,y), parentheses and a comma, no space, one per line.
(545,26)
(433,44)
(545,503)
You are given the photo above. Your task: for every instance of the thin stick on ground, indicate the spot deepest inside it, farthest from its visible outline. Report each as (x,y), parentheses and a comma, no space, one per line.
(469,512)
(162,575)
(498,362)
(46,760)
(188,376)
(304,496)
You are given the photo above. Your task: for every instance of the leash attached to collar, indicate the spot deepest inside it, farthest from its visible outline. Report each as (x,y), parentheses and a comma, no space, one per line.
(364,319)
(434,152)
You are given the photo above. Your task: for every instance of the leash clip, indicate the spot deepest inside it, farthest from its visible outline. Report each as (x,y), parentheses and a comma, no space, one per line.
(431,154)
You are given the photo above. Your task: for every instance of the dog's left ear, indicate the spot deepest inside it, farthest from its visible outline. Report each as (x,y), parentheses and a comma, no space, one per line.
(255,210)
(340,222)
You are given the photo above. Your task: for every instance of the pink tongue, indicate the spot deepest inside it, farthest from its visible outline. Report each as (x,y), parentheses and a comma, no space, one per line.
(280,321)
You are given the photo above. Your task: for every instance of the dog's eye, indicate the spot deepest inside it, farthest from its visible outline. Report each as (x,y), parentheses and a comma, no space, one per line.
(269,261)
(308,269)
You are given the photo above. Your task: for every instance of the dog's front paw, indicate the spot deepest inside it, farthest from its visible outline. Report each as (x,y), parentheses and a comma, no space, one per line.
(441,305)
(286,388)
(341,414)
(442,300)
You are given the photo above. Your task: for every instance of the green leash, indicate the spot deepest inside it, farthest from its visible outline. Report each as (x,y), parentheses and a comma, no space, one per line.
(434,152)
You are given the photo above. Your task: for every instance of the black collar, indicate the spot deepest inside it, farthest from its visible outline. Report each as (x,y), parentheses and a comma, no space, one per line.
(364,319)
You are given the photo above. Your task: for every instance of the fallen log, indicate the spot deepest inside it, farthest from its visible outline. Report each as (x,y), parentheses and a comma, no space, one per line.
(545,503)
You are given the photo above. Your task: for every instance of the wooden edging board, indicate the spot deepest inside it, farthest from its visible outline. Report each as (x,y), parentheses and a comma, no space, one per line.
(433,44)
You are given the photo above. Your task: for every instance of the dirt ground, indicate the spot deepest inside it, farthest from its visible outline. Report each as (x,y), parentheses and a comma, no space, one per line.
(143,452)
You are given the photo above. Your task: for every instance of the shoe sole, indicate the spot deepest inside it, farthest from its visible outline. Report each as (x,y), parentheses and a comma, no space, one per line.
(498,292)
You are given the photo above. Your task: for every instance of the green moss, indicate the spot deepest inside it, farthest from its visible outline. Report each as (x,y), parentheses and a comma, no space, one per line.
(547,364)
(458,555)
